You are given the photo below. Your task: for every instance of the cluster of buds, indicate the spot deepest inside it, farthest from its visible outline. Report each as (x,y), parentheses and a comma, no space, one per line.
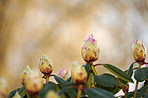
(24,74)
(45,65)
(90,52)
(139,51)
(63,73)
(34,82)
(78,73)
(3,88)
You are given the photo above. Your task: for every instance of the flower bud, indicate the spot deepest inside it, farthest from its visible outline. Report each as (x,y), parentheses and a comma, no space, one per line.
(52,94)
(24,74)
(78,73)
(17,95)
(63,73)
(140,51)
(3,88)
(34,82)
(90,52)
(45,65)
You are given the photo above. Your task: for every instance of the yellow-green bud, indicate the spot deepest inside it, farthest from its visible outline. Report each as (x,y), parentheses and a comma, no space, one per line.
(3,88)
(90,52)
(45,65)
(17,95)
(24,74)
(78,73)
(139,51)
(52,94)
(34,82)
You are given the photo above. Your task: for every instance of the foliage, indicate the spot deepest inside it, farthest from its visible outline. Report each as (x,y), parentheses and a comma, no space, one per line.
(95,86)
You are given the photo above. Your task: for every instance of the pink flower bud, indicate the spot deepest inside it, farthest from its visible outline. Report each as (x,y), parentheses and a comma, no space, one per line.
(140,51)
(45,65)
(24,74)
(78,73)
(34,82)
(63,73)
(90,52)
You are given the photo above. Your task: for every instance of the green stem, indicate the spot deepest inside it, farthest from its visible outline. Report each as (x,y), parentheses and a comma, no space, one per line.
(125,96)
(93,69)
(47,79)
(136,87)
(79,91)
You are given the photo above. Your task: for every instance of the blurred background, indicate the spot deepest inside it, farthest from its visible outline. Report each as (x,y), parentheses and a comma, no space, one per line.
(57,28)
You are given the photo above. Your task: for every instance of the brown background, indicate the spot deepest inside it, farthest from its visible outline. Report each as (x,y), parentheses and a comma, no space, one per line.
(57,28)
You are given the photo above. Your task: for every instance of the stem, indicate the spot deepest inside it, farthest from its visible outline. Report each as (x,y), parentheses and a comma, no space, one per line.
(136,87)
(97,65)
(47,78)
(93,69)
(125,95)
(79,91)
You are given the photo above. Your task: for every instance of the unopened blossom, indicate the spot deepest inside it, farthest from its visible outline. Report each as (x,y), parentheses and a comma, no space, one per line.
(34,82)
(24,74)
(45,65)
(78,73)
(3,88)
(63,73)
(52,94)
(139,51)
(17,95)
(90,52)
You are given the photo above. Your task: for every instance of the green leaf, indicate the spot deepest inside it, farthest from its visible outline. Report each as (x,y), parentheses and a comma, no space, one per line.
(11,94)
(121,83)
(114,89)
(98,93)
(63,83)
(130,70)
(63,94)
(106,80)
(62,91)
(68,79)
(119,73)
(87,67)
(146,82)
(146,96)
(141,92)
(141,74)
(89,80)
(22,91)
(47,87)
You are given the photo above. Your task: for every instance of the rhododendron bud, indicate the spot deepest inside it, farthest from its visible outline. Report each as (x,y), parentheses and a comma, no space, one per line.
(34,82)
(52,94)
(3,88)
(139,51)
(17,95)
(24,74)
(90,52)
(63,73)
(78,73)
(45,65)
